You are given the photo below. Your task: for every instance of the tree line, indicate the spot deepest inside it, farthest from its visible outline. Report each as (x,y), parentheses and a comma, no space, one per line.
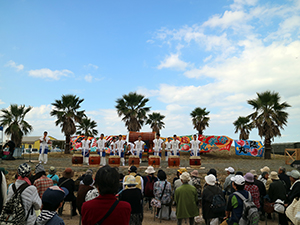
(269,117)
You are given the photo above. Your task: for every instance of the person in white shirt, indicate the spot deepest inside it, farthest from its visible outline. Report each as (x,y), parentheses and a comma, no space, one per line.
(168,148)
(86,145)
(195,146)
(120,149)
(175,145)
(113,146)
(139,147)
(130,147)
(101,149)
(157,145)
(44,141)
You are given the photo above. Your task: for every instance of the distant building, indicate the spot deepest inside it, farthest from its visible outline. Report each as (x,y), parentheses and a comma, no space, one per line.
(33,141)
(279,148)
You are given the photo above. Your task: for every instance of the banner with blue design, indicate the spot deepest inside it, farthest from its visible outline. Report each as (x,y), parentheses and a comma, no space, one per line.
(249,148)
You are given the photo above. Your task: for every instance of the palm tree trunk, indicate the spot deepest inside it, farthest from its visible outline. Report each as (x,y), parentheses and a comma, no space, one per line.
(67,146)
(268,148)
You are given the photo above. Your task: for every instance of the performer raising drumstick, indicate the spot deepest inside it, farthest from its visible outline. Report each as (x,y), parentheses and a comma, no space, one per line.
(139,147)
(195,146)
(175,145)
(157,145)
(101,149)
(120,149)
(86,145)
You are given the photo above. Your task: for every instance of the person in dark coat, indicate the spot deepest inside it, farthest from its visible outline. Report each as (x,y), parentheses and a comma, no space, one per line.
(83,189)
(11,148)
(282,176)
(67,182)
(210,190)
(152,179)
(295,189)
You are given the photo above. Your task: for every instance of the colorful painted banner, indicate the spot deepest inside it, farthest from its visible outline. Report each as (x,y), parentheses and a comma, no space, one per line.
(76,141)
(250,148)
(209,142)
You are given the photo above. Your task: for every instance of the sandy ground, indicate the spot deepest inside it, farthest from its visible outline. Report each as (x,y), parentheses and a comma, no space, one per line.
(217,160)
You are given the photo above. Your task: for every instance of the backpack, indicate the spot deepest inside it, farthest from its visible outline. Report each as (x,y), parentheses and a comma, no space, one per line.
(149,188)
(218,205)
(250,215)
(13,211)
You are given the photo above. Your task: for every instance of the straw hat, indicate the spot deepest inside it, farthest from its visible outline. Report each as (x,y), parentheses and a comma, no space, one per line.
(265,169)
(274,175)
(253,172)
(195,173)
(185,177)
(68,173)
(150,170)
(210,179)
(130,180)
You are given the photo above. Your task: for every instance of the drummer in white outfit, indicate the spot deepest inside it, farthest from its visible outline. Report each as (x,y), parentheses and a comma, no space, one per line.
(139,147)
(167,148)
(195,146)
(113,146)
(175,145)
(120,149)
(101,149)
(44,141)
(86,145)
(157,145)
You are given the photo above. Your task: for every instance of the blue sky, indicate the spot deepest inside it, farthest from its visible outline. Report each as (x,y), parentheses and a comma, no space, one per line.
(180,54)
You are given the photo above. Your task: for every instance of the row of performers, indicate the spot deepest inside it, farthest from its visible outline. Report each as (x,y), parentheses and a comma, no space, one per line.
(117,147)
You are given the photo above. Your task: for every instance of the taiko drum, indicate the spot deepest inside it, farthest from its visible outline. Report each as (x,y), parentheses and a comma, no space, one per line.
(114,161)
(154,161)
(94,159)
(173,161)
(77,159)
(195,162)
(134,160)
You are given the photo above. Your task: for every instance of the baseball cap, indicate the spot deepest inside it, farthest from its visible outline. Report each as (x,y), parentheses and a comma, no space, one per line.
(294,173)
(229,169)
(54,195)
(238,179)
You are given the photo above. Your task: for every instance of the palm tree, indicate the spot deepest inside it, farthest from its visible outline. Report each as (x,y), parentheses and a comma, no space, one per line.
(269,117)
(155,122)
(14,119)
(243,125)
(87,127)
(67,112)
(200,119)
(132,108)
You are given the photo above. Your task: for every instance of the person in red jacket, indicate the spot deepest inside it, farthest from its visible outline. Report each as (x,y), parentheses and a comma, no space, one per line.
(93,211)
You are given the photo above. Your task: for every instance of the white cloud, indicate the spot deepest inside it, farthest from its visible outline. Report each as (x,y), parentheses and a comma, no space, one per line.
(1,102)
(88,78)
(207,58)
(91,66)
(12,64)
(173,62)
(150,41)
(50,74)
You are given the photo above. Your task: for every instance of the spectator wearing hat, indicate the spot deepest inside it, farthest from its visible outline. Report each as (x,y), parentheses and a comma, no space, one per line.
(151,179)
(262,193)
(227,184)
(178,173)
(264,177)
(252,188)
(234,209)
(38,172)
(3,186)
(178,182)
(52,199)
(79,180)
(282,176)
(295,188)
(30,197)
(67,182)
(186,200)
(207,197)
(214,172)
(132,170)
(83,189)
(162,186)
(134,197)
(52,175)
(43,182)
(107,183)
(276,191)
(196,182)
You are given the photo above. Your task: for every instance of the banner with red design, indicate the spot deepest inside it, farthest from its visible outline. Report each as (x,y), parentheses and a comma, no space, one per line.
(250,148)
(208,143)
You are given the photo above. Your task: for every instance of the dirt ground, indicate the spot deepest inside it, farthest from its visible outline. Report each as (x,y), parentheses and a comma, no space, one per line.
(217,160)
